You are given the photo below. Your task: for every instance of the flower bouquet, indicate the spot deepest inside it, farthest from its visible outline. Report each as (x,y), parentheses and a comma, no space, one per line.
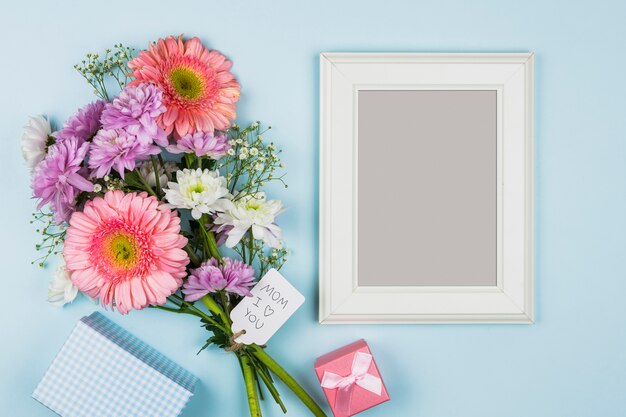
(145,193)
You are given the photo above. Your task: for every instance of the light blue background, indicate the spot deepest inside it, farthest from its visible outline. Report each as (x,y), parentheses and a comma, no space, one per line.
(572,362)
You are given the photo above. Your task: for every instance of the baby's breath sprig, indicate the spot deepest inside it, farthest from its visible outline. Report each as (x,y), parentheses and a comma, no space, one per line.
(116,183)
(98,69)
(274,258)
(53,236)
(251,163)
(253,250)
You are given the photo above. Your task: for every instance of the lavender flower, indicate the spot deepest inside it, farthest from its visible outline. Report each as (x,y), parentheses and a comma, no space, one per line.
(84,124)
(214,145)
(118,150)
(59,178)
(136,110)
(240,276)
(203,280)
(234,277)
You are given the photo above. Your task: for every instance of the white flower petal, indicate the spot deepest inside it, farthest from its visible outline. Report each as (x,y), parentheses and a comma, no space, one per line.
(201,191)
(251,211)
(234,236)
(61,289)
(34,140)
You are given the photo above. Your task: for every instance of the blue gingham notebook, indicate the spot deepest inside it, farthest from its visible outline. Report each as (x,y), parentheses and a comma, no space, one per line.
(102,370)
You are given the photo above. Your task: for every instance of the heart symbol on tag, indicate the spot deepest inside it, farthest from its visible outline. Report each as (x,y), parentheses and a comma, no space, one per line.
(259,320)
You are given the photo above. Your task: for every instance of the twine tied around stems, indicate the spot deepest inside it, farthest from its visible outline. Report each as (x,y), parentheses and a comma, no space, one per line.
(234,346)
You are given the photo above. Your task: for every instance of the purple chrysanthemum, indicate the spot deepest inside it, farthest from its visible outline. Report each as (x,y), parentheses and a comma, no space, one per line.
(84,124)
(214,145)
(234,277)
(136,110)
(59,178)
(119,150)
(240,276)
(203,280)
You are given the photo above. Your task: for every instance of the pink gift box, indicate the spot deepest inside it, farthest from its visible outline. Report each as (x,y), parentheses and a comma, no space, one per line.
(350,379)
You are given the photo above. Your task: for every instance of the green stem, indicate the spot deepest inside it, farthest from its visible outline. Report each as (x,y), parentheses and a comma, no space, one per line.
(213,246)
(193,309)
(243,249)
(251,246)
(189,160)
(210,303)
(156,174)
(195,312)
(214,323)
(210,238)
(145,183)
(251,390)
(235,177)
(225,304)
(257,380)
(267,379)
(192,255)
(173,310)
(162,162)
(293,385)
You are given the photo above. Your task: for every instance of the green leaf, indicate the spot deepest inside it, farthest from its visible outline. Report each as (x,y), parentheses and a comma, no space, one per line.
(133,180)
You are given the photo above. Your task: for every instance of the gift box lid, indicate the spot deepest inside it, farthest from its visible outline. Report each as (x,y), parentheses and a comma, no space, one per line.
(359,345)
(103,370)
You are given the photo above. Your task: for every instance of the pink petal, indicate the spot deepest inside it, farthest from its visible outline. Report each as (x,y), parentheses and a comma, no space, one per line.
(138,294)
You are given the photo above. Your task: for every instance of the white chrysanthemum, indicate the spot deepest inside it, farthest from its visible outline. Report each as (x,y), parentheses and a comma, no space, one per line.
(34,139)
(146,169)
(61,289)
(198,190)
(252,211)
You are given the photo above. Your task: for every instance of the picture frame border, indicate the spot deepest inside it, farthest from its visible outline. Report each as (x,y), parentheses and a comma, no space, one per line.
(341,299)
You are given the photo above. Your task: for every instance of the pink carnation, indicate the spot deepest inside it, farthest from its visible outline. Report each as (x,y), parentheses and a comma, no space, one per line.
(127,250)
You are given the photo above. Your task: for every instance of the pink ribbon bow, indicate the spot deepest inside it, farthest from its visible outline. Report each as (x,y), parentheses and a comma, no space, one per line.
(358,376)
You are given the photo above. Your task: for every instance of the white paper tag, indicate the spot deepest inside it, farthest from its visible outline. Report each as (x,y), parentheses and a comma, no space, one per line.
(273,301)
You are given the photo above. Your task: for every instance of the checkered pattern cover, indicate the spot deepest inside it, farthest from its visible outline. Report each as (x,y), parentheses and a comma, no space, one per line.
(102,370)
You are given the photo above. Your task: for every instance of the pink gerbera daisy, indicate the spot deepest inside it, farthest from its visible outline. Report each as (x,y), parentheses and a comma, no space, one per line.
(199,91)
(127,250)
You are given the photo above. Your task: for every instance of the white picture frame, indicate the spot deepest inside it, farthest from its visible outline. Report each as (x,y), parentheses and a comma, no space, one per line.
(341,298)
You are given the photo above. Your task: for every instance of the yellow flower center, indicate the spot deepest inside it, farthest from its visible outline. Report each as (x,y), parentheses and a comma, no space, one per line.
(122,250)
(197,188)
(253,205)
(187,83)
